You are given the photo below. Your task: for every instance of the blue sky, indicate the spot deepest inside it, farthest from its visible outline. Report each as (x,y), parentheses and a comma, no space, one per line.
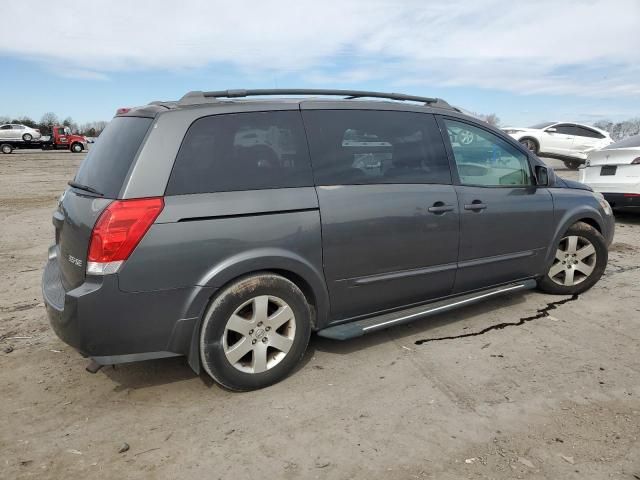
(525,61)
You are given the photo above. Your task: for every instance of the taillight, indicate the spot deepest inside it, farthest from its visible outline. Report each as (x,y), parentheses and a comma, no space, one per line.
(636,161)
(118,231)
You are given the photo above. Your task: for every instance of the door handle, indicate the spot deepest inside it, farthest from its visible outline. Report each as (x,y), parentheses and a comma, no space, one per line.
(476,205)
(440,207)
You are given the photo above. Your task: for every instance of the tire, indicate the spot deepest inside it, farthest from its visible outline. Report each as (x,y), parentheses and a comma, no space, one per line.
(572,164)
(76,148)
(6,148)
(585,254)
(531,145)
(27,137)
(255,305)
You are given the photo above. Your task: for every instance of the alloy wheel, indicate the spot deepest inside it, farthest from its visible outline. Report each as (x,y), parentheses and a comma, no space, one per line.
(259,334)
(574,262)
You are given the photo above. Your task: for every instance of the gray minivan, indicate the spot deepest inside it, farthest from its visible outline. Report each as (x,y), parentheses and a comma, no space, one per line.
(227,228)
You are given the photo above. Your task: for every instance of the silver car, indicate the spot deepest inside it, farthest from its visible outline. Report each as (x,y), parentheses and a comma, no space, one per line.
(14,131)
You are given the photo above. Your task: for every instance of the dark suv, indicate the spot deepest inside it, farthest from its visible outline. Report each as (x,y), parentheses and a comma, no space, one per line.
(228,229)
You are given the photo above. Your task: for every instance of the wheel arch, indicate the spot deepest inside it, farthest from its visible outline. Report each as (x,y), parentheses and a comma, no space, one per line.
(286,264)
(586,214)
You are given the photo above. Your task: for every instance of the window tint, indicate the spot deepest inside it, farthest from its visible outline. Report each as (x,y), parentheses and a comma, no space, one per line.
(587,132)
(483,158)
(5,127)
(565,129)
(242,151)
(369,147)
(110,158)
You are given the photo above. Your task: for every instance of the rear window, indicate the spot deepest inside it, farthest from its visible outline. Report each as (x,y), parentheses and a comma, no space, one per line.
(629,142)
(110,158)
(242,151)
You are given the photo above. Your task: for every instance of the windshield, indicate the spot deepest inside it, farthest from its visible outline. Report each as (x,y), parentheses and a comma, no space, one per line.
(106,166)
(626,143)
(542,125)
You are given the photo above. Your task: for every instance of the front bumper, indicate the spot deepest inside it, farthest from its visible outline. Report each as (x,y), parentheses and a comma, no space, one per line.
(111,326)
(623,201)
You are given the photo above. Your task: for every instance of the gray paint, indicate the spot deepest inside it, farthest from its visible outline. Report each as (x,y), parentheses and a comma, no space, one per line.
(358,251)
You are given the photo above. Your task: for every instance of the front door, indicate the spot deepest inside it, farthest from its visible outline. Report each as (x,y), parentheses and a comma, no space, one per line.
(506,221)
(5,131)
(388,208)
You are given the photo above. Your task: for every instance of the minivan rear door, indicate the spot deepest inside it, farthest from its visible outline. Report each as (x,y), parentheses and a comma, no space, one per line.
(98,182)
(389,212)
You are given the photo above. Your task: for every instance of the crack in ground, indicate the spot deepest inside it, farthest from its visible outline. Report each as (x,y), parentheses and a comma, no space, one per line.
(542,312)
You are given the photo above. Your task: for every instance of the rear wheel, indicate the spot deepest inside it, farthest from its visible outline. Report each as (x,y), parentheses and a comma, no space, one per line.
(76,148)
(530,144)
(6,148)
(27,137)
(572,164)
(580,260)
(255,332)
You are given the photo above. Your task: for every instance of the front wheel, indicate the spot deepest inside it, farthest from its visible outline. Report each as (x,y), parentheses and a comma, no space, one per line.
(255,332)
(76,148)
(580,259)
(530,145)
(27,137)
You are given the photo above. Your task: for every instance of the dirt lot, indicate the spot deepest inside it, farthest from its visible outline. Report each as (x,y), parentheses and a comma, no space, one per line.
(555,396)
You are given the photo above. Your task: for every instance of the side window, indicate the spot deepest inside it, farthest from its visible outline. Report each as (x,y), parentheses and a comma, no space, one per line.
(565,129)
(373,147)
(242,151)
(587,132)
(5,127)
(485,159)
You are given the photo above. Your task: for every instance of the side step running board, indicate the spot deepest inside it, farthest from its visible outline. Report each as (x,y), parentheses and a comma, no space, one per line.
(358,328)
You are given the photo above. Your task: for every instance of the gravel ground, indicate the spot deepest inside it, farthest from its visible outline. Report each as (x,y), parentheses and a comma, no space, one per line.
(555,396)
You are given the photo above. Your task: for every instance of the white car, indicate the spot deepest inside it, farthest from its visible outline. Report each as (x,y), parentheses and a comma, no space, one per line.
(13,131)
(570,142)
(614,171)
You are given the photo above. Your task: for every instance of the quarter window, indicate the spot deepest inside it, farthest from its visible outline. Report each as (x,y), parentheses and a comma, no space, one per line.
(242,151)
(373,147)
(485,159)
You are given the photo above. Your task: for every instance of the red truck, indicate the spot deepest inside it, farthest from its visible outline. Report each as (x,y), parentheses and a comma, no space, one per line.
(61,139)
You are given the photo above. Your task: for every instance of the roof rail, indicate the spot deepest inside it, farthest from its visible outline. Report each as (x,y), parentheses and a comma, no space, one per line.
(197,96)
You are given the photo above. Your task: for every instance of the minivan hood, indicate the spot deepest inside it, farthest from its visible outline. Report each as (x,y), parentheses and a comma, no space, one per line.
(564,183)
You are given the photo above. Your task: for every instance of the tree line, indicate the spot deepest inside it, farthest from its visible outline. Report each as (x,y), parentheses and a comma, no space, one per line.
(49,119)
(620,130)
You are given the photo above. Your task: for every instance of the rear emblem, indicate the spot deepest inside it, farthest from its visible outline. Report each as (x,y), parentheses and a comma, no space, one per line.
(76,261)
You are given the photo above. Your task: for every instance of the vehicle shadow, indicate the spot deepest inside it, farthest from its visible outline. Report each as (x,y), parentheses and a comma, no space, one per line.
(423,326)
(165,371)
(149,373)
(631,218)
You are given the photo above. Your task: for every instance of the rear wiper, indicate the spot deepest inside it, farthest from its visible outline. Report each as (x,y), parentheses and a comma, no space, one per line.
(86,188)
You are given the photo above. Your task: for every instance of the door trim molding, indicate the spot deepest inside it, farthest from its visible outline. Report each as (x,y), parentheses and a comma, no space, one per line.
(497,258)
(383,277)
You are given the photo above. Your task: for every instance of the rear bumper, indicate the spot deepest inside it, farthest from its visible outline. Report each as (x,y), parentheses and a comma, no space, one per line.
(111,326)
(619,201)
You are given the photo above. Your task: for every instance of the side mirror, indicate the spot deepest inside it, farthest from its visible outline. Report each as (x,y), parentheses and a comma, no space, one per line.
(542,175)
(551,130)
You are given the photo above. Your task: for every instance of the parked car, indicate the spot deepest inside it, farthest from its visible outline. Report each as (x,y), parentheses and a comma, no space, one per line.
(15,131)
(229,231)
(570,142)
(615,171)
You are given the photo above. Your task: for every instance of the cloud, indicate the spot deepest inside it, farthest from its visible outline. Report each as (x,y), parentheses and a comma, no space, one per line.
(586,47)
